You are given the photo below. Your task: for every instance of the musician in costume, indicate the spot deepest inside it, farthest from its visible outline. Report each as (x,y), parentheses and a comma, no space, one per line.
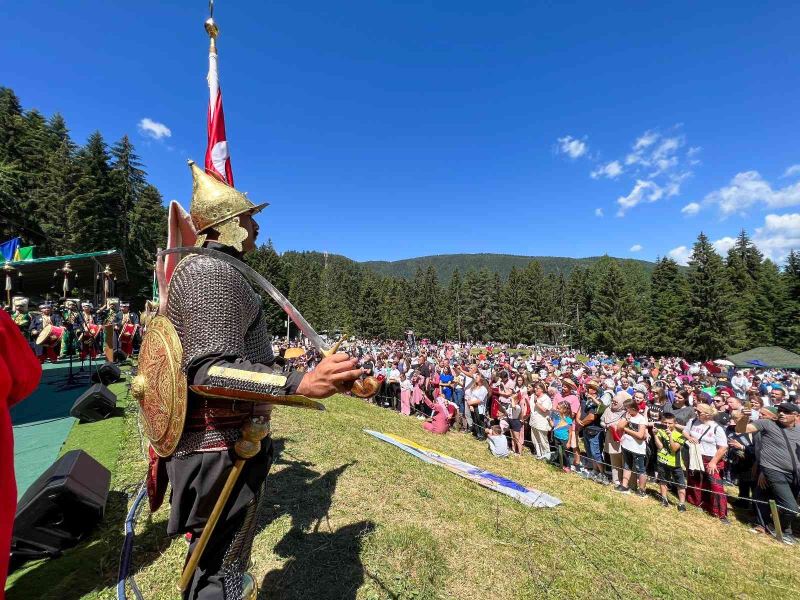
(109,318)
(128,332)
(88,332)
(45,320)
(69,317)
(21,316)
(219,321)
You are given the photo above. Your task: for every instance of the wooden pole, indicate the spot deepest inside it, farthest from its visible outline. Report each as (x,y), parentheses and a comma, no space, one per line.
(776,520)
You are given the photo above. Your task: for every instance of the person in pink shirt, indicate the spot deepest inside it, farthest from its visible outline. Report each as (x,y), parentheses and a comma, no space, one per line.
(569,393)
(416,394)
(439,421)
(406,389)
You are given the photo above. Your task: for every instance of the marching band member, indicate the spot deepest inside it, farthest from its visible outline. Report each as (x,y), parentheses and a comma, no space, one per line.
(110,315)
(69,317)
(21,316)
(88,331)
(127,321)
(45,318)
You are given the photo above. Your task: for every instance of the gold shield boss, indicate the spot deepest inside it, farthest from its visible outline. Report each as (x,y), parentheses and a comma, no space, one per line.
(160,386)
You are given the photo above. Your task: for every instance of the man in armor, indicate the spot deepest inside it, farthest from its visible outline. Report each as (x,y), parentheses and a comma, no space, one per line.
(219,320)
(69,317)
(45,318)
(21,316)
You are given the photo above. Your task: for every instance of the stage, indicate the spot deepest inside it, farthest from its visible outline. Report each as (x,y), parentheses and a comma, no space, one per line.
(43,428)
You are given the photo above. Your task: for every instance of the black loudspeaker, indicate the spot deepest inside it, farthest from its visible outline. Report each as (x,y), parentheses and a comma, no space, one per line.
(107,373)
(60,508)
(96,404)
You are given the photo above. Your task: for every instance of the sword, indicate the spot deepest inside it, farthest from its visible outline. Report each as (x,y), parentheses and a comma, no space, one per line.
(256,277)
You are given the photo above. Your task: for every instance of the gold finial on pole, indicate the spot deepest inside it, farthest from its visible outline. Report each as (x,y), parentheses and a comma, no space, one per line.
(211,26)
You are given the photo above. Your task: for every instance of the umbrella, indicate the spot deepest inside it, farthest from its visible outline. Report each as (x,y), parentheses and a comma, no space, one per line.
(723,363)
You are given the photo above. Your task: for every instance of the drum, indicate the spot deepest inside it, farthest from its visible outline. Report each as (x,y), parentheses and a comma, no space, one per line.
(90,334)
(50,336)
(127,333)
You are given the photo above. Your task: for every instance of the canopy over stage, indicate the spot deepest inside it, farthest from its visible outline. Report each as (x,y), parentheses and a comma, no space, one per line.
(44,276)
(773,357)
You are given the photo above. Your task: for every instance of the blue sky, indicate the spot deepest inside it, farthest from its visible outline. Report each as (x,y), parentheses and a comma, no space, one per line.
(385,130)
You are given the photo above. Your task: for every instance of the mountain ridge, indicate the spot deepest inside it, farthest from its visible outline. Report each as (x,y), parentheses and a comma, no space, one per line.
(445,264)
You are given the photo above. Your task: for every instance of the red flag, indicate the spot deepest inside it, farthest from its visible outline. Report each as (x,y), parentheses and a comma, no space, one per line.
(218,160)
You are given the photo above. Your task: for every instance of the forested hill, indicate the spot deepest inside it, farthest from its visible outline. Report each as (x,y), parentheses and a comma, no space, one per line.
(445,264)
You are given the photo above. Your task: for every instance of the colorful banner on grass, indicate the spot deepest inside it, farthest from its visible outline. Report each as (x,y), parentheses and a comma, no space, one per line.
(528,497)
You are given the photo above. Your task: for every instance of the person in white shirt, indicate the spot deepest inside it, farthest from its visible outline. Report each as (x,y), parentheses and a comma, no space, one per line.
(705,488)
(740,385)
(633,427)
(540,407)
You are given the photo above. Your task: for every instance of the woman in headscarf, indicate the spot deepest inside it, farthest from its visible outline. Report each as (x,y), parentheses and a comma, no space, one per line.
(614,413)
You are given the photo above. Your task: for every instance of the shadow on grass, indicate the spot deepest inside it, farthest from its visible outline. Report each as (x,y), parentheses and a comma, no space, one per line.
(90,566)
(321,562)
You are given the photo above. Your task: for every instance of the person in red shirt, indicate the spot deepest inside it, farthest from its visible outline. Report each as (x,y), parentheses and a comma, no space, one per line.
(20,372)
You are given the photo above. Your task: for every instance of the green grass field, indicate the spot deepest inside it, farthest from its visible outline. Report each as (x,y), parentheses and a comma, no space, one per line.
(353,517)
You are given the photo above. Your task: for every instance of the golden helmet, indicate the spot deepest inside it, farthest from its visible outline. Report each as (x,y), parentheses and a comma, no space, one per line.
(214,202)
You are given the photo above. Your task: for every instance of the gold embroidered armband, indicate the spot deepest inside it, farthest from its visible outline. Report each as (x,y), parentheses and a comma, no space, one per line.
(270,379)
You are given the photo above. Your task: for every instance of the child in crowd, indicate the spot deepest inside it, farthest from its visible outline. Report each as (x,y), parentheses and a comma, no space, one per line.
(498,443)
(561,423)
(669,466)
(633,427)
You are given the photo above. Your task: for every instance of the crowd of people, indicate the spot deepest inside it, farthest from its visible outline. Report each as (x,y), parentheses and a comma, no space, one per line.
(692,428)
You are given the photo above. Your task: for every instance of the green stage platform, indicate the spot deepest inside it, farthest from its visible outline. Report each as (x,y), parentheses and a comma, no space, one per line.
(41,425)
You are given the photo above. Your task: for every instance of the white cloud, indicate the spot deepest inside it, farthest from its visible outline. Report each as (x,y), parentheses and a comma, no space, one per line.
(749,188)
(724,244)
(572,147)
(779,234)
(693,151)
(598,212)
(680,255)
(691,209)
(154,129)
(647,139)
(636,248)
(611,170)
(792,171)
(643,191)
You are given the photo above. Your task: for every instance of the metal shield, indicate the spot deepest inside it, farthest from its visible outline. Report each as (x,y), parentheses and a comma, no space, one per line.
(160,386)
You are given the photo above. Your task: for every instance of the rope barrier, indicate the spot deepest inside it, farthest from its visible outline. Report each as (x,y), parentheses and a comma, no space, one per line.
(650,478)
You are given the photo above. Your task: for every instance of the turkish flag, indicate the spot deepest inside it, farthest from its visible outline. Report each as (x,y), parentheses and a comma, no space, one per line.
(218,160)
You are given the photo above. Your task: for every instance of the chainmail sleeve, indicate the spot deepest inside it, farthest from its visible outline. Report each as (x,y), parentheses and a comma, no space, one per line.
(218,318)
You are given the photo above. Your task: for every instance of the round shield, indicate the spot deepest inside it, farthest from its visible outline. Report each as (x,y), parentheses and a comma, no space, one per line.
(160,386)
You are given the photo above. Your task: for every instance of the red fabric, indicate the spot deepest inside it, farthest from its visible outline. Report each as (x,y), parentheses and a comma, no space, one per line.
(20,373)
(707,491)
(218,140)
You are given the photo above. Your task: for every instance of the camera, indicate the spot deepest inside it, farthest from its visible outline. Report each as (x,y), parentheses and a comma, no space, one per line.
(659,426)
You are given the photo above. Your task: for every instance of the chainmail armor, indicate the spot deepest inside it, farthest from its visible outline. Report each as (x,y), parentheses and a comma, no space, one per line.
(237,328)
(237,556)
(212,440)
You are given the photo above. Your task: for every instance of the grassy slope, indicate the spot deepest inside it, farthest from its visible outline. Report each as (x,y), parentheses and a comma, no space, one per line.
(350,516)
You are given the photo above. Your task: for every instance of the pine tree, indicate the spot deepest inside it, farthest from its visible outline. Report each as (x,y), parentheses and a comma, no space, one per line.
(127,180)
(536,302)
(267,262)
(454,303)
(708,317)
(90,217)
(367,323)
(513,321)
(148,232)
(669,296)
(788,323)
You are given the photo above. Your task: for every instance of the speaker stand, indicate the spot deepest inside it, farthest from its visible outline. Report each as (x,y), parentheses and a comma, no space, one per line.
(73,381)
